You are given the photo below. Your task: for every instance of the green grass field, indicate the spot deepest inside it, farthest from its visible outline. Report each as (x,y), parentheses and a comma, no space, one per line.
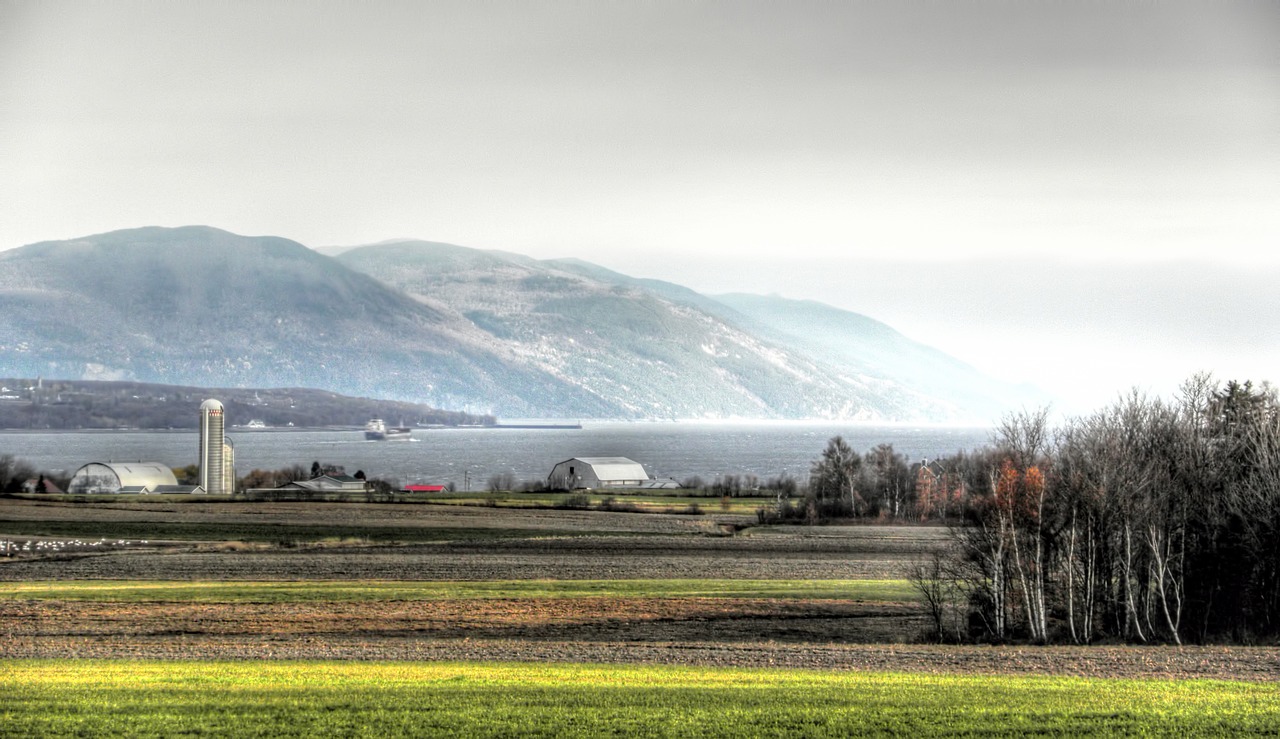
(223,591)
(296,699)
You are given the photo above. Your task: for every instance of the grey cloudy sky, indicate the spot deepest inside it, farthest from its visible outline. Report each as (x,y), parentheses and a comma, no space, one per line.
(1081,195)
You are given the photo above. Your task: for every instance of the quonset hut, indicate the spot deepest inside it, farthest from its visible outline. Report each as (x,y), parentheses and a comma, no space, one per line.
(118,477)
(590,473)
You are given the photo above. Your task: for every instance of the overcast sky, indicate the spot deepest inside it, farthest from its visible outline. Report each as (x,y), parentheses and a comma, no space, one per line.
(1085,196)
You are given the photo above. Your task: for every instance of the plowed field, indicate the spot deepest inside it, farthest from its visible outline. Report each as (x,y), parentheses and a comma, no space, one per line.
(482,544)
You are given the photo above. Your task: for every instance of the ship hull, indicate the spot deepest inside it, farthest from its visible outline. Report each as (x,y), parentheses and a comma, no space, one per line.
(388,435)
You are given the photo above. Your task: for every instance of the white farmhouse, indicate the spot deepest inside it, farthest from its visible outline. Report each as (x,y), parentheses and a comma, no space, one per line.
(591,473)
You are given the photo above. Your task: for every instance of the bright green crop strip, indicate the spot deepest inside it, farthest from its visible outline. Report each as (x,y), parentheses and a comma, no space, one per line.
(111,698)
(226,591)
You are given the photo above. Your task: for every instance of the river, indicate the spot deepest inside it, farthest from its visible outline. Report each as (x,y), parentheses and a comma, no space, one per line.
(468,457)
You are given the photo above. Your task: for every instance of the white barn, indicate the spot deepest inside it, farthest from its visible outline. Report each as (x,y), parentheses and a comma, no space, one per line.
(597,472)
(120,477)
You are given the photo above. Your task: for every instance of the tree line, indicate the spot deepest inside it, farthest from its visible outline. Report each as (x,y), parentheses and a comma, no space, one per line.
(1150,520)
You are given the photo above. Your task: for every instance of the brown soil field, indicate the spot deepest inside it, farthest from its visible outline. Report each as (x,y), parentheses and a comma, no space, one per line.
(709,632)
(546,544)
(538,544)
(591,619)
(130,508)
(575,558)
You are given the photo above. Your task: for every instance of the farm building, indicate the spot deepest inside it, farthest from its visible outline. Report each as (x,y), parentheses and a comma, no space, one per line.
(119,477)
(40,485)
(177,490)
(597,472)
(328,484)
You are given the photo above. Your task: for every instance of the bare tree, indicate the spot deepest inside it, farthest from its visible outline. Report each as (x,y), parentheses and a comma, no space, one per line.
(935,579)
(832,480)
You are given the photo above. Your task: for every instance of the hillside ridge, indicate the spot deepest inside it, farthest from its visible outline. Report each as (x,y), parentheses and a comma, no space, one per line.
(482,331)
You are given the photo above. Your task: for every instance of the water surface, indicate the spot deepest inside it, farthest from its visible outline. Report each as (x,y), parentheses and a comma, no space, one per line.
(469,456)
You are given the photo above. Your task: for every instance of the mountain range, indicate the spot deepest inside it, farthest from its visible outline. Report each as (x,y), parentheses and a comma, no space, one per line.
(460,328)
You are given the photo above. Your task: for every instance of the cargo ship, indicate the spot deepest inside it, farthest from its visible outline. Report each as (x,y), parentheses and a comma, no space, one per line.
(377,430)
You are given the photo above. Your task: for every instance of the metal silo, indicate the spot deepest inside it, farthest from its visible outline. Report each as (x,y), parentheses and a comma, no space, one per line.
(212,449)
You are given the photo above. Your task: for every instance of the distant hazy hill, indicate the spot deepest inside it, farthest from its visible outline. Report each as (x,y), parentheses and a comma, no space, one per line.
(457,328)
(866,346)
(650,356)
(665,350)
(199,306)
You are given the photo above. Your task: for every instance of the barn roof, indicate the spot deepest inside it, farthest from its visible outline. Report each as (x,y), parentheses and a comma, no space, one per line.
(35,484)
(171,489)
(134,474)
(328,483)
(614,468)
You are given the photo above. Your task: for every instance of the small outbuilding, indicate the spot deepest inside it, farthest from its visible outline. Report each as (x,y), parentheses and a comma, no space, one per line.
(328,484)
(178,490)
(590,473)
(40,484)
(116,477)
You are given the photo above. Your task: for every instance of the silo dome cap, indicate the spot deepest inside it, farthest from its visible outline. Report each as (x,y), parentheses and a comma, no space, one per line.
(211,405)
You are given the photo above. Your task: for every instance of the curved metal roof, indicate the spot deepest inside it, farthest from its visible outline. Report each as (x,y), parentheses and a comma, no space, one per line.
(211,405)
(612,468)
(108,477)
